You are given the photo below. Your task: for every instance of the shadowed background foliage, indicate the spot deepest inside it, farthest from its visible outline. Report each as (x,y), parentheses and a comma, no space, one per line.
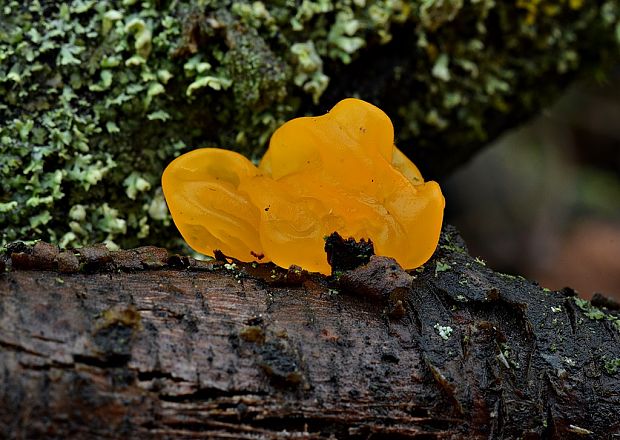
(544,200)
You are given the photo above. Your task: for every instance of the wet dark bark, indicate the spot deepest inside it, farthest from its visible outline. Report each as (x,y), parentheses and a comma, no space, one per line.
(139,344)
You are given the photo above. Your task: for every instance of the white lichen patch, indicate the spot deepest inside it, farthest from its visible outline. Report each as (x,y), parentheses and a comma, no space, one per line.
(443,331)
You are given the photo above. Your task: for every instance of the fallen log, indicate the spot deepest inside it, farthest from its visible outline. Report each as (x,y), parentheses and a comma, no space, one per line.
(143,344)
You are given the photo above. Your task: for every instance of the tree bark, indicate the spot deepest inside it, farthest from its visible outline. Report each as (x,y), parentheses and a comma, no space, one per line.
(140,344)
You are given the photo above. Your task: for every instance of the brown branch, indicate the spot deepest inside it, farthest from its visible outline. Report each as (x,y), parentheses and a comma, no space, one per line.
(137,344)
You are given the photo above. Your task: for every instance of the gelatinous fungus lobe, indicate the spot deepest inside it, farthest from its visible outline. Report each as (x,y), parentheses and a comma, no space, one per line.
(202,192)
(340,172)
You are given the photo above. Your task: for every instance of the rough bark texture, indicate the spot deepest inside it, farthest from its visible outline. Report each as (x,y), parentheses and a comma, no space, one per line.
(138,344)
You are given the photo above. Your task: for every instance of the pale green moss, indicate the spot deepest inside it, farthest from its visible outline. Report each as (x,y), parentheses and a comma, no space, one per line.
(98,96)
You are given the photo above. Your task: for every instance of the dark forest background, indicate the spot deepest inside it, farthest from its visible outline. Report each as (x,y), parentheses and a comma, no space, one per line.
(544,201)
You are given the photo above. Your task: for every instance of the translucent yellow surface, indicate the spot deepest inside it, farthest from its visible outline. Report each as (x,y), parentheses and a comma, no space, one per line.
(334,173)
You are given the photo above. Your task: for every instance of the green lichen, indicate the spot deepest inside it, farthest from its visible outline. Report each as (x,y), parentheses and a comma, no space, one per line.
(612,366)
(441,266)
(98,96)
(508,357)
(589,310)
(594,313)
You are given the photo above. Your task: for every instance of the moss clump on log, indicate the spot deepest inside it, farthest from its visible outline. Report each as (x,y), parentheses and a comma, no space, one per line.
(99,95)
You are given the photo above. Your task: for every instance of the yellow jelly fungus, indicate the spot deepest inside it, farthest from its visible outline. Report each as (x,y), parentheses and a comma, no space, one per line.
(340,172)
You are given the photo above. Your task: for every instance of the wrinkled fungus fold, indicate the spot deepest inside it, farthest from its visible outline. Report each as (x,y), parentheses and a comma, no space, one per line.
(339,172)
